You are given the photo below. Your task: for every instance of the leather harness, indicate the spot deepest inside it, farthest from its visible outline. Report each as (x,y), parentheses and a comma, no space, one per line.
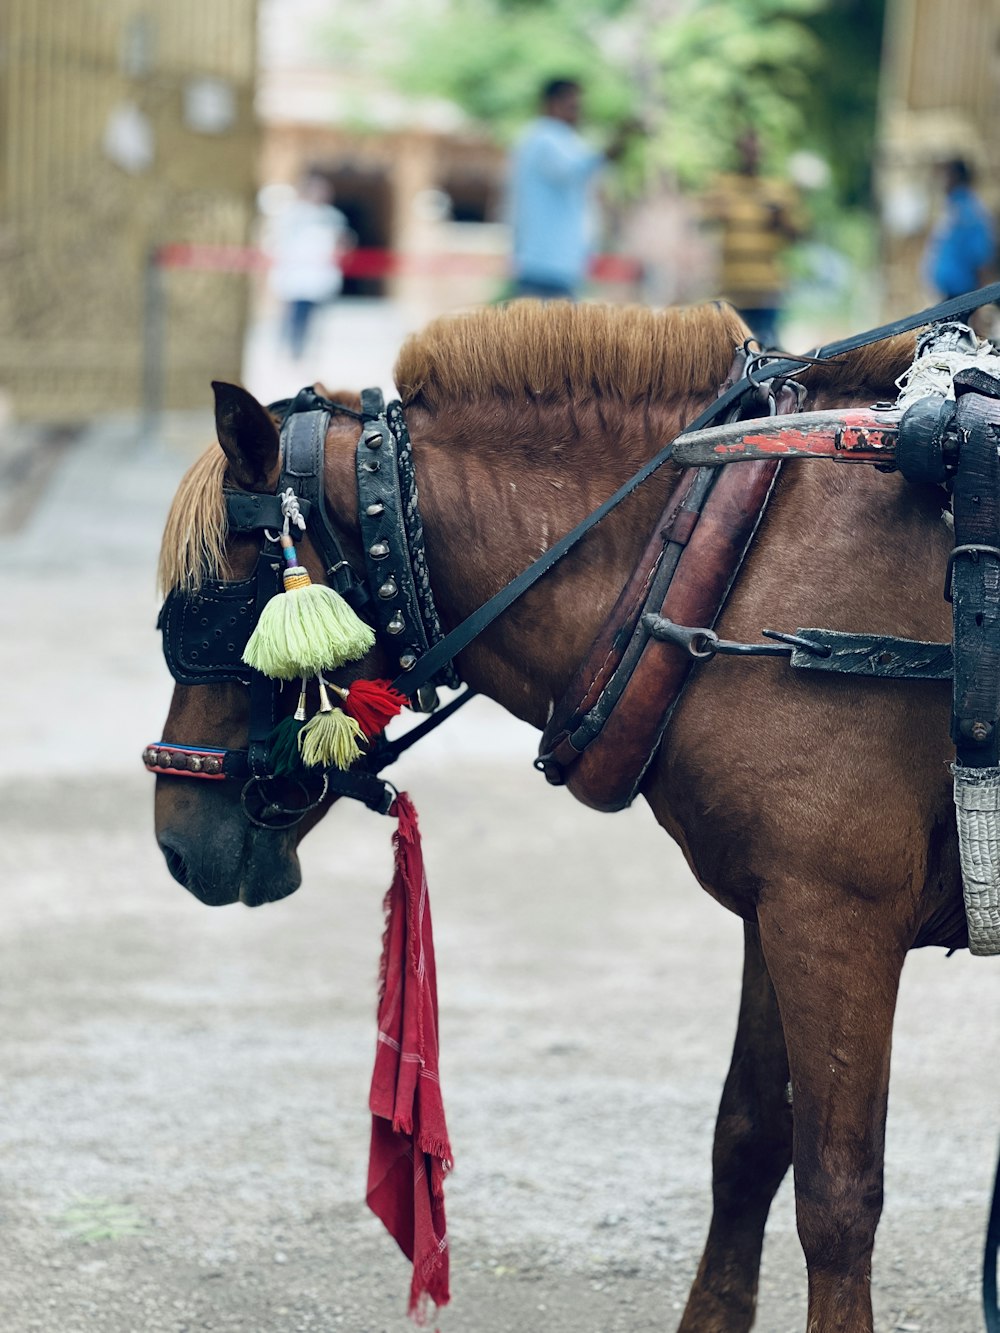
(604,732)
(608,686)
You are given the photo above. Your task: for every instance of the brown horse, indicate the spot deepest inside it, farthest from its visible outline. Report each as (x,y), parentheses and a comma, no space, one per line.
(819,810)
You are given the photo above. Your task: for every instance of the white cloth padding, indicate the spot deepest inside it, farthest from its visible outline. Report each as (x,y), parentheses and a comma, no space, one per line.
(977,808)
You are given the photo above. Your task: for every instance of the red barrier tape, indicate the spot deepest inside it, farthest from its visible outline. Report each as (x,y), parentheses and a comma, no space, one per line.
(370,262)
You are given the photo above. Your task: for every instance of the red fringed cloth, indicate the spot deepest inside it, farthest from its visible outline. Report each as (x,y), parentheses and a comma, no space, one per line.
(410,1154)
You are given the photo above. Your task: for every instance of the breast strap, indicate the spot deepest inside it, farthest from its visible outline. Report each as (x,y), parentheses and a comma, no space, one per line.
(606,729)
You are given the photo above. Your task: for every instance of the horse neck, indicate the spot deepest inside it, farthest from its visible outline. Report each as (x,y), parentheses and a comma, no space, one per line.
(500,484)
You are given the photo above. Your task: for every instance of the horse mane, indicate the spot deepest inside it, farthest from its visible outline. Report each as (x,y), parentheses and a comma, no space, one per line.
(530,349)
(871,370)
(557,349)
(194,538)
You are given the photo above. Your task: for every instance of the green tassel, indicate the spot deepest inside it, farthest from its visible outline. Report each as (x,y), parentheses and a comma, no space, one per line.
(330,740)
(283,747)
(305,629)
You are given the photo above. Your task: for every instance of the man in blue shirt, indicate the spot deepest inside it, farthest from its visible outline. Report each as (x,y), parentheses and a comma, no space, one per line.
(550,196)
(963,244)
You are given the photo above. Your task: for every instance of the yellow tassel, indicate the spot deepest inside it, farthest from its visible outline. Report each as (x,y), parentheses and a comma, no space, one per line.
(331,738)
(305,629)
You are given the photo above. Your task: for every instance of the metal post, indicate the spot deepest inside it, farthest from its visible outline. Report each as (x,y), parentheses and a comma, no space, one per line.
(154,313)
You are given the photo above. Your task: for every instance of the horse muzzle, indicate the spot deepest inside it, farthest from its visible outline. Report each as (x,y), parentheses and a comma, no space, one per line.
(217,854)
(265,875)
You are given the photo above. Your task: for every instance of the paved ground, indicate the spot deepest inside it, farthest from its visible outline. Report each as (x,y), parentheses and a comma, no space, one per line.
(183,1132)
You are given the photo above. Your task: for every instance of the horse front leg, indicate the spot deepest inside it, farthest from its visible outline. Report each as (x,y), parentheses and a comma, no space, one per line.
(751,1153)
(835,962)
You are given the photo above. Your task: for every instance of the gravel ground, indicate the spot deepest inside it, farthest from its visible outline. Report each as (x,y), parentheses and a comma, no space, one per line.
(183,1132)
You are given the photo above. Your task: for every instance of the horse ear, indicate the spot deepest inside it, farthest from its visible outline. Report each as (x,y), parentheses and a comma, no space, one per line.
(248,436)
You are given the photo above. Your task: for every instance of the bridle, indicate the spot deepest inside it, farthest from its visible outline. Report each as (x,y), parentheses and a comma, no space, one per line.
(206,630)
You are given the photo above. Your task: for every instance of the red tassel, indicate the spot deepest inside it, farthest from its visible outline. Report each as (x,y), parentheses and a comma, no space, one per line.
(372,704)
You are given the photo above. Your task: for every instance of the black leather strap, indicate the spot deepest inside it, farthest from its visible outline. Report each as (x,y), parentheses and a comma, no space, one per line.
(975,584)
(385,752)
(303,437)
(368,788)
(394,609)
(392,539)
(879,656)
(247,511)
(372,403)
(413,524)
(263,690)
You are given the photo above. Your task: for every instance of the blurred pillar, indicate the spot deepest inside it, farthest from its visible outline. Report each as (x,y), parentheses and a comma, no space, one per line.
(127,124)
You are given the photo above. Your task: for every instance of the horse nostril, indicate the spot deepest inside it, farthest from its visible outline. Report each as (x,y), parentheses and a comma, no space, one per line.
(176,865)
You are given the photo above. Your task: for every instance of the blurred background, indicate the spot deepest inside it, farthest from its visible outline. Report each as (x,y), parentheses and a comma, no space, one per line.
(183,1124)
(147,148)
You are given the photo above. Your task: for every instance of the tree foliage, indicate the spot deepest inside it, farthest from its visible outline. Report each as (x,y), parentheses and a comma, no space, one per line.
(728,65)
(491,56)
(697,72)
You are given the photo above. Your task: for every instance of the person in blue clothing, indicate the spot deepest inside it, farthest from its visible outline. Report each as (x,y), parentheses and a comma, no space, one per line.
(551,206)
(963,244)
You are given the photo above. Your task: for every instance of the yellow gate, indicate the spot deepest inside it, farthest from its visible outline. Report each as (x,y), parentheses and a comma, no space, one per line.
(124,125)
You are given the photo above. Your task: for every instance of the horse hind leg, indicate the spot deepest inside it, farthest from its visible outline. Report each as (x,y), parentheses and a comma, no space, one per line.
(752,1152)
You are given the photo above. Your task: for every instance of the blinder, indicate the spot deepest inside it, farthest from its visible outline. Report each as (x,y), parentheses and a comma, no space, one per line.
(206,631)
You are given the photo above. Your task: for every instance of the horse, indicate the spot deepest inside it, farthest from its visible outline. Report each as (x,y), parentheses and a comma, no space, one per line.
(818,810)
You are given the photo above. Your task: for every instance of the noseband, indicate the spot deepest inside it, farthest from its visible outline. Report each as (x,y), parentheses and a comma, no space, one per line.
(205,631)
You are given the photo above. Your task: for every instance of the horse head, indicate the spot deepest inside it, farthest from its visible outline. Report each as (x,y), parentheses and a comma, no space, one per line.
(223,842)
(514,450)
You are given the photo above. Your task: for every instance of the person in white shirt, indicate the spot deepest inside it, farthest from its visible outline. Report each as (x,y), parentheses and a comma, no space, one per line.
(307,243)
